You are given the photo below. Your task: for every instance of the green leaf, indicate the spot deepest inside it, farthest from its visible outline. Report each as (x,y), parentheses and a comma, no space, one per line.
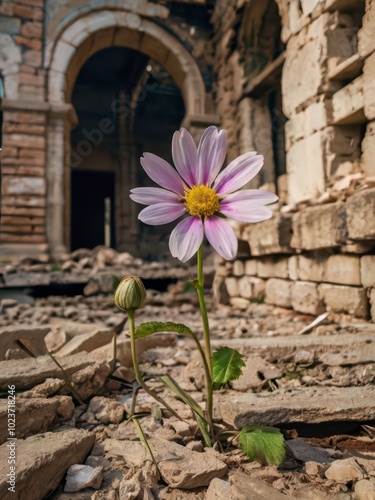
(146,329)
(227,365)
(263,444)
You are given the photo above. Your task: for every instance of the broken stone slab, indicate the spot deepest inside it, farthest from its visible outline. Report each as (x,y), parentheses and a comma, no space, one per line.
(34,415)
(307,453)
(277,347)
(240,486)
(25,373)
(310,405)
(81,476)
(179,466)
(32,336)
(87,341)
(256,372)
(42,461)
(123,355)
(27,279)
(353,356)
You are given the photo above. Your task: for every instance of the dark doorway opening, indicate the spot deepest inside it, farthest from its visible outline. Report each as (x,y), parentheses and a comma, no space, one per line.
(90,210)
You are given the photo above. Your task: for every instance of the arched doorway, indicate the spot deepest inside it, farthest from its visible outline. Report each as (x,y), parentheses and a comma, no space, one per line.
(149,49)
(126,103)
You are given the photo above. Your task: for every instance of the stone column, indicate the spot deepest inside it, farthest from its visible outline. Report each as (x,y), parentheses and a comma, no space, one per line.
(56,162)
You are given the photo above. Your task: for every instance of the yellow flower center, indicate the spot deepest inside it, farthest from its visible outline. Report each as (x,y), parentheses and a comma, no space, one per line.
(202,201)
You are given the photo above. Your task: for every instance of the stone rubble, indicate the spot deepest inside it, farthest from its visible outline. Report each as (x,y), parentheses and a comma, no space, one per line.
(322,376)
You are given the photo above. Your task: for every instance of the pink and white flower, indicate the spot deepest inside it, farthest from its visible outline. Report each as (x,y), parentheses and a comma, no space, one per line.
(197,189)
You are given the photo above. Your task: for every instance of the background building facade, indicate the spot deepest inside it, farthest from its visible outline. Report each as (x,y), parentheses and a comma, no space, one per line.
(90,85)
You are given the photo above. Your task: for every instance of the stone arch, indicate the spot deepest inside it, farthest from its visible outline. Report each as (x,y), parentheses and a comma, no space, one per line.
(106,28)
(65,57)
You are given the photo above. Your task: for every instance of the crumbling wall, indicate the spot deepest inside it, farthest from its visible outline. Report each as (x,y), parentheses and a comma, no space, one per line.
(318,251)
(23,185)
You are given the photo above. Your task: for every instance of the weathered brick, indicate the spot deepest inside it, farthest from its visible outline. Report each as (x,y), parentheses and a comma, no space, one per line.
(366,39)
(32,29)
(273,267)
(368,271)
(25,141)
(305,298)
(16,220)
(372,303)
(368,150)
(251,287)
(23,11)
(251,267)
(360,211)
(345,299)
(33,58)
(348,103)
(20,211)
(232,286)
(23,170)
(21,229)
(369,87)
(33,118)
(23,185)
(21,128)
(310,268)
(22,238)
(270,236)
(278,292)
(238,268)
(30,43)
(293,267)
(24,201)
(322,226)
(342,269)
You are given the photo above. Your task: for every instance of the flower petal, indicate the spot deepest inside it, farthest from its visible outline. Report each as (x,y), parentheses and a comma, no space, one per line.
(186,238)
(243,211)
(151,195)
(211,154)
(162,173)
(221,236)
(161,213)
(185,156)
(238,173)
(254,196)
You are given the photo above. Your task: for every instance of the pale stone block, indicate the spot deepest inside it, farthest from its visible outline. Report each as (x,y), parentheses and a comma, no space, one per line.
(369,87)
(342,269)
(270,236)
(293,267)
(251,267)
(73,33)
(305,298)
(345,299)
(310,268)
(368,271)
(372,302)
(251,287)
(314,118)
(368,150)
(238,268)
(323,226)
(276,267)
(299,85)
(366,35)
(348,103)
(62,56)
(306,169)
(23,185)
(360,211)
(308,6)
(232,286)
(99,20)
(278,292)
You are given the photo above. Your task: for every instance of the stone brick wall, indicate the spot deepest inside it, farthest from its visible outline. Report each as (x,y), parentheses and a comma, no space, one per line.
(317,253)
(23,184)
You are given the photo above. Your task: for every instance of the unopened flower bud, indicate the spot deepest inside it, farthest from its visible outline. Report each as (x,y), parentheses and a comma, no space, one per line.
(130,293)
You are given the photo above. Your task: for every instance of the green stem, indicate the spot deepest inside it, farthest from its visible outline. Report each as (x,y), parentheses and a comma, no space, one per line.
(207,340)
(137,371)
